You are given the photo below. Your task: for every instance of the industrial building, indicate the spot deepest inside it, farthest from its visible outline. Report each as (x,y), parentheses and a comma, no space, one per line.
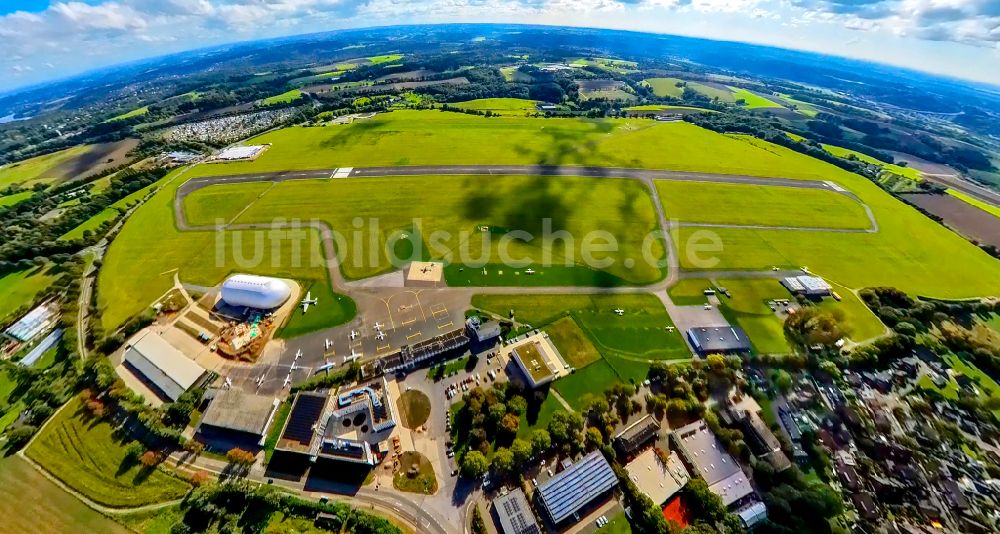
(810,286)
(568,492)
(483,331)
(251,291)
(237,419)
(347,427)
(719,340)
(150,357)
(636,435)
(657,480)
(537,358)
(514,514)
(241,153)
(704,455)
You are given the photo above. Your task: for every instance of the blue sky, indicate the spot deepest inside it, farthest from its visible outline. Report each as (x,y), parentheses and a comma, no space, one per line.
(45,39)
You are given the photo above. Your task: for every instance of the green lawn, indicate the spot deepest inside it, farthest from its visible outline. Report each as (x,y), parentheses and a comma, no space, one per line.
(572,343)
(29,502)
(541,419)
(616,525)
(661,107)
(87,456)
(665,86)
(753,100)
(988,208)
(586,383)
(274,433)
(453,208)
(158,521)
(503,106)
(284,98)
(748,308)
(39,169)
(805,108)
(332,309)
(387,58)
(906,172)
(10,200)
(215,203)
(723,94)
(862,324)
(423,482)
(20,288)
(92,224)
(137,270)
(138,112)
(702,202)
(689,292)
(987,386)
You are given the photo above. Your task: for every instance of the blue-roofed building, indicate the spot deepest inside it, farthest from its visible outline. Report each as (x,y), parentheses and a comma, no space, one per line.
(34,323)
(580,484)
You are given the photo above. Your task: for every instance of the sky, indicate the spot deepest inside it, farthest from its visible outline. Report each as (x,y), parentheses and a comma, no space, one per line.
(43,40)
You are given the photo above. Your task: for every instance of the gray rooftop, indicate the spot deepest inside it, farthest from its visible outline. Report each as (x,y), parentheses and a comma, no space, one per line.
(719,339)
(566,493)
(515,514)
(234,410)
(707,457)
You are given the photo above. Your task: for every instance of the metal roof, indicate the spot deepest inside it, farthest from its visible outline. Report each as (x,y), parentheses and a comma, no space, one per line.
(719,339)
(163,365)
(34,322)
(36,353)
(753,514)
(515,514)
(705,454)
(564,494)
(234,410)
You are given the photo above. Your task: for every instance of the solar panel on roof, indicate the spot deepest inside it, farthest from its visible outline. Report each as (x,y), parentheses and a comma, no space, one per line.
(570,490)
(305,414)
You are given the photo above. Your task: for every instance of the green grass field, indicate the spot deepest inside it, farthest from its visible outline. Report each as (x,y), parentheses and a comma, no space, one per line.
(988,208)
(748,308)
(284,98)
(88,457)
(460,205)
(107,214)
(30,502)
(906,172)
(724,95)
(861,323)
(138,112)
(573,344)
(158,521)
(702,202)
(332,309)
(795,137)
(616,525)
(541,419)
(753,100)
(211,204)
(663,108)
(689,292)
(137,270)
(801,106)
(39,169)
(20,288)
(665,86)
(987,386)
(503,106)
(586,383)
(387,58)
(10,200)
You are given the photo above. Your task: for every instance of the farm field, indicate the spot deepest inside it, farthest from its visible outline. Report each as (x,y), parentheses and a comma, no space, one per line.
(30,502)
(675,109)
(138,270)
(906,172)
(10,200)
(753,100)
(608,89)
(433,137)
(963,217)
(138,112)
(713,91)
(702,202)
(619,66)
(805,108)
(665,86)
(65,165)
(19,289)
(88,457)
(283,98)
(988,208)
(503,106)
(456,204)
(386,58)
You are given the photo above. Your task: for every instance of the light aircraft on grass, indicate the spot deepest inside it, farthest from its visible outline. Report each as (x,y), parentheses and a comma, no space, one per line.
(308,301)
(620,312)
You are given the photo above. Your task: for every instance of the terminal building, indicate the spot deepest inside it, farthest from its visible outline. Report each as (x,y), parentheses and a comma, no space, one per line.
(167,370)
(563,496)
(719,340)
(348,427)
(704,455)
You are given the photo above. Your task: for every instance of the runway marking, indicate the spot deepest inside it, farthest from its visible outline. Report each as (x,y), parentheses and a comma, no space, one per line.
(357,344)
(443,326)
(411,336)
(380,348)
(411,321)
(441,310)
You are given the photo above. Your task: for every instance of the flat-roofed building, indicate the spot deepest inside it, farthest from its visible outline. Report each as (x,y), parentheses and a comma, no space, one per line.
(34,323)
(569,491)
(810,286)
(719,340)
(537,358)
(630,440)
(658,480)
(514,514)
(160,364)
(236,417)
(705,456)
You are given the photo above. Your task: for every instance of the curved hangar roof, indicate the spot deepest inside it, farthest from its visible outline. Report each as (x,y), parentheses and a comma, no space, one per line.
(255,291)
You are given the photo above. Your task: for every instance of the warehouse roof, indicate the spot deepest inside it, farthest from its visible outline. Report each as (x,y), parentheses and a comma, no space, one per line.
(566,493)
(163,365)
(515,514)
(719,339)
(34,322)
(707,457)
(234,410)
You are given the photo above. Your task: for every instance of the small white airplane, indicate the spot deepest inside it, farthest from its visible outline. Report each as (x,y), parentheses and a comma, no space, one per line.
(308,301)
(354,356)
(354,334)
(619,312)
(288,381)
(326,367)
(229,382)
(260,381)
(298,354)
(671,329)
(378,325)
(327,344)
(529,271)
(380,335)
